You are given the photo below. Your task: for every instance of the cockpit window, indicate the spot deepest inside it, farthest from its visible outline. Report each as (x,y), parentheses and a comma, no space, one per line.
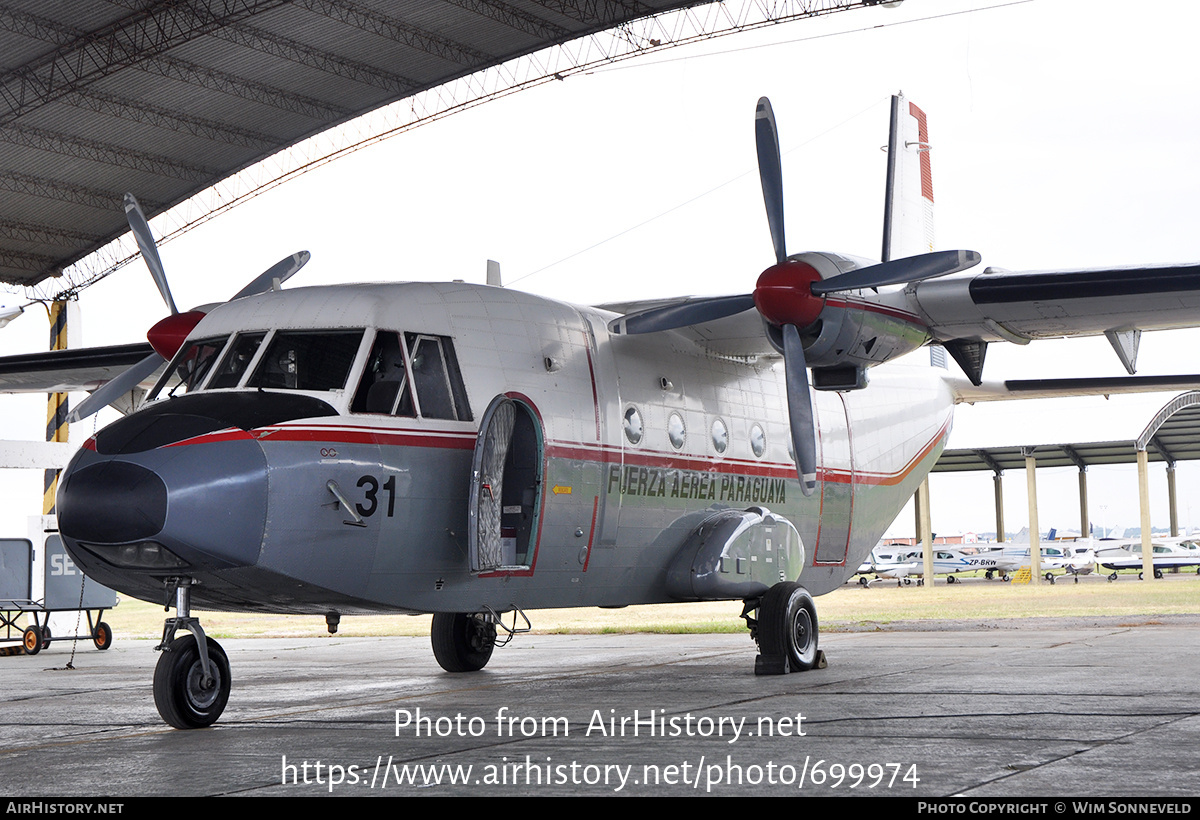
(190,365)
(440,391)
(236,360)
(307,360)
(384,387)
(410,374)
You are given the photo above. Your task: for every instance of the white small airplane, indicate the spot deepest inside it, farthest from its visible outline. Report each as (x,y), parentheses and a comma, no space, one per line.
(1075,560)
(1166,553)
(948,561)
(888,561)
(472,451)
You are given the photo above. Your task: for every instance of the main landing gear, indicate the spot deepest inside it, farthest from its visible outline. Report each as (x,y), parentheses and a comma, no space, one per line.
(191,680)
(783,622)
(463,641)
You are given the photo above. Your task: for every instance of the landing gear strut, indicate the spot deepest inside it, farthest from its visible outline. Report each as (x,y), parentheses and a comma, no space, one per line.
(191,680)
(785,629)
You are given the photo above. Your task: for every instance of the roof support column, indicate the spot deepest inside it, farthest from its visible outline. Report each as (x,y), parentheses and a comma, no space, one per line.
(1035,547)
(1172,501)
(1084,522)
(998,485)
(1143,465)
(56,405)
(998,490)
(925,530)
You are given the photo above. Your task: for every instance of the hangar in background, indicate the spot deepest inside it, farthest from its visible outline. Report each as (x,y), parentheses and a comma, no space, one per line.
(1173,435)
(166,99)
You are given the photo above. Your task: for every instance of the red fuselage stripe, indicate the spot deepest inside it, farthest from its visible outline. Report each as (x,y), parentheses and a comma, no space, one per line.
(566,450)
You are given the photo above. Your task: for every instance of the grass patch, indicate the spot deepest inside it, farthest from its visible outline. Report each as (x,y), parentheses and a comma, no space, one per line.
(851,608)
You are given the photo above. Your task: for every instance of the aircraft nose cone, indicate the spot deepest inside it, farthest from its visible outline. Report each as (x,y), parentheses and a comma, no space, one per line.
(191,506)
(113,502)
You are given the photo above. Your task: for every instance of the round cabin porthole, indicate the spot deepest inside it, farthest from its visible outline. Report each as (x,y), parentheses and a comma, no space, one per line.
(633,425)
(758,441)
(676,430)
(720,436)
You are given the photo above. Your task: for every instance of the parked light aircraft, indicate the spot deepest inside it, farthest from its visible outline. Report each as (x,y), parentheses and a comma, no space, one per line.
(1074,559)
(472,451)
(948,561)
(888,561)
(1170,553)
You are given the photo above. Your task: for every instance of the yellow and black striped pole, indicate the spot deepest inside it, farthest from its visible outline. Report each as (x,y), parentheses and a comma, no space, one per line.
(56,403)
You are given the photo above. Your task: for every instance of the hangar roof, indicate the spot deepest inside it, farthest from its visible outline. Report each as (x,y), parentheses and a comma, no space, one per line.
(165,99)
(1172,435)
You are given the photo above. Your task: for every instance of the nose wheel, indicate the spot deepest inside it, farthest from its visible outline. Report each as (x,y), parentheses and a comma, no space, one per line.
(186,696)
(191,679)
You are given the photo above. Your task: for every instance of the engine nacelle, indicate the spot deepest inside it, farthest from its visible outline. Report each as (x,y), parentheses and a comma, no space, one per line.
(854,333)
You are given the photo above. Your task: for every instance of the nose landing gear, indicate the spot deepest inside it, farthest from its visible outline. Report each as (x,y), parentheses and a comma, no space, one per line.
(191,680)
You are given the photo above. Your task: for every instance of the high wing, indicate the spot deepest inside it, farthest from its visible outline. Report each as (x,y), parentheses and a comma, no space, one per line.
(966,313)
(738,335)
(65,371)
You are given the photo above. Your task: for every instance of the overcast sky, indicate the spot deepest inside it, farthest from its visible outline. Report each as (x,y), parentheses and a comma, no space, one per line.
(1064,132)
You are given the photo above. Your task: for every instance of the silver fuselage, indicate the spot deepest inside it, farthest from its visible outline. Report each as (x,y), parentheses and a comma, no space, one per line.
(245,507)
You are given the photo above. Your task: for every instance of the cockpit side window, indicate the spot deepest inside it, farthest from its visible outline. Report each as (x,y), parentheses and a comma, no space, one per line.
(435,374)
(307,360)
(190,365)
(236,360)
(384,387)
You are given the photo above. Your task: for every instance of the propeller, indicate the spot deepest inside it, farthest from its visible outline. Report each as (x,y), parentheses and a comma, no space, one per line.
(790,295)
(168,335)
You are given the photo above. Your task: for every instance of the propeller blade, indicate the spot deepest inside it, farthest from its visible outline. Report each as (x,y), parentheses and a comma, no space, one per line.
(145,243)
(281,270)
(116,387)
(770,173)
(899,271)
(681,314)
(804,434)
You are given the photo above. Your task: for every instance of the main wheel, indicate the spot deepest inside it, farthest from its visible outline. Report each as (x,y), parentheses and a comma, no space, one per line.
(1157,573)
(462,642)
(184,699)
(103,636)
(950,579)
(31,639)
(787,626)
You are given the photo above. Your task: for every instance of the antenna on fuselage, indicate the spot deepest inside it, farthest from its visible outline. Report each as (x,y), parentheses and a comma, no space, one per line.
(493,273)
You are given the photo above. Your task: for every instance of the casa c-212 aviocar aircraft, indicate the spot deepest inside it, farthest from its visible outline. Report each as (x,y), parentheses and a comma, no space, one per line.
(475,452)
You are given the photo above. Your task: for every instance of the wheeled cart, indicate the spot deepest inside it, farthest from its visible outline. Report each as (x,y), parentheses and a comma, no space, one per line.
(65,589)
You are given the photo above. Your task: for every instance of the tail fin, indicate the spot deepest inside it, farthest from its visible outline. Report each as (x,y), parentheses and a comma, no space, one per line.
(908,200)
